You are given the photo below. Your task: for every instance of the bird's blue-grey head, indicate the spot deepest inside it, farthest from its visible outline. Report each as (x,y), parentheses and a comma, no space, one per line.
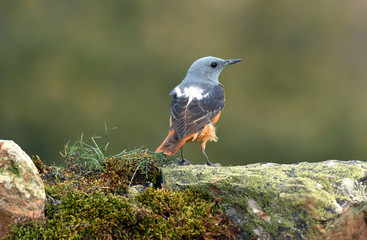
(208,68)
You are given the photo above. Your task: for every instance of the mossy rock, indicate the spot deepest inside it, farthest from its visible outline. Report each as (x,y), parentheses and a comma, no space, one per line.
(295,201)
(84,204)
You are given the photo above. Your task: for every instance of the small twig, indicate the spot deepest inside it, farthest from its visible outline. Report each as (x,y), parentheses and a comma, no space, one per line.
(79,225)
(132,178)
(49,196)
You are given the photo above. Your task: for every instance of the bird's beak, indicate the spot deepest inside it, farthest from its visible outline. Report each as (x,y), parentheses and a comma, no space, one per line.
(231,61)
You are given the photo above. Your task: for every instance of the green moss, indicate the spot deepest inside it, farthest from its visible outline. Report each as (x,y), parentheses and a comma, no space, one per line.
(85,204)
(182,215)
(154,214)
(40,165)
(119,173)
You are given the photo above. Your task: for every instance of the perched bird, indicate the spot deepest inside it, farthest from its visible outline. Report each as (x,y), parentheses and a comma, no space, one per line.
(196,106)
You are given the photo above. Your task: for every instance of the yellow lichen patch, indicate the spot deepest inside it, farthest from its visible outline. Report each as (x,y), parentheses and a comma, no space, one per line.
(298,198)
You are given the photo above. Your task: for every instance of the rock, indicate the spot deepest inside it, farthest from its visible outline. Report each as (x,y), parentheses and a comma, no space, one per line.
(135,190)
(325,200)
(22,194)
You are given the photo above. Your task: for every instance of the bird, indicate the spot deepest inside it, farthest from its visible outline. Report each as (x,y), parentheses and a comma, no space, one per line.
(196,106)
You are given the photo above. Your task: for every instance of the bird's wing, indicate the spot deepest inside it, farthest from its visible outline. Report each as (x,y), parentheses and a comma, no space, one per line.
(189,117)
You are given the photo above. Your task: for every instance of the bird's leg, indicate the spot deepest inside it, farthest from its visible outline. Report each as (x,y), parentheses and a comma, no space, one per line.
(183,160)
(182,157)
(202,147)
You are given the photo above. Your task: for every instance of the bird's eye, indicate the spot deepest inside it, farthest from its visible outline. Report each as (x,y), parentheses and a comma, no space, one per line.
(213,64)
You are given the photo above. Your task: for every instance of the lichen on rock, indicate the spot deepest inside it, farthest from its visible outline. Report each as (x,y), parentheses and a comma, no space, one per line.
(22,192)
(300,201)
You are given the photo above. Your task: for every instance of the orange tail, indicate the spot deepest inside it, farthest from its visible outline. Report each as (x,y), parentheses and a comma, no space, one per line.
(171,144)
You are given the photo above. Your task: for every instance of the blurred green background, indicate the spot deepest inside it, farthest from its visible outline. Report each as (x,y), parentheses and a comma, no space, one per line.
(67,67)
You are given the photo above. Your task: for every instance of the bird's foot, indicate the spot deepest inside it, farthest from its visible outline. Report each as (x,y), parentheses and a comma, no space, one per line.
(209,163)
(183,162)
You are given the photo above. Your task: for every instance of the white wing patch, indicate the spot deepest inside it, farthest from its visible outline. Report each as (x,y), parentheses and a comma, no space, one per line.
(191,93)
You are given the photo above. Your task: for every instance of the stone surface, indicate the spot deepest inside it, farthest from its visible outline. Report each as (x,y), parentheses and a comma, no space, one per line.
(22,194)
(325,200)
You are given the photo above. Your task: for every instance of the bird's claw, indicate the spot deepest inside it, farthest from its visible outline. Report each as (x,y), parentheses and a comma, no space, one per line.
(183,162)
